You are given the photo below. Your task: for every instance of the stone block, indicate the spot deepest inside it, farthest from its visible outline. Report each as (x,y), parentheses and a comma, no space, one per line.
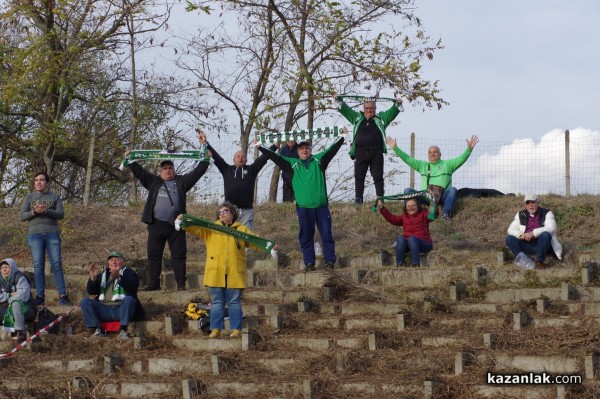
(591,365)
(402,321)
(373,340)
(541,305)
(429,386)
(459,362)
(520,320)
(189,388)
(489,340)
(458,291)
(81,383)
(589,273)
(568,292)
(304,306)
(248,338)
(424,259)
(328,293)
(480,275)
(251,278)
(112,362)
(173,325)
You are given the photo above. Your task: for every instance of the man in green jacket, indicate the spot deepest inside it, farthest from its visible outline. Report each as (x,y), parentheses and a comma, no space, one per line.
(368,142)
(436,171)
(307,174)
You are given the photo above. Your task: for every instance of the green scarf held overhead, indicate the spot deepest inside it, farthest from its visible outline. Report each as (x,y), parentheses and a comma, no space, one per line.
(8,324)
(433,206)
(259,242)
(364,98)
(143,155)
(301,134)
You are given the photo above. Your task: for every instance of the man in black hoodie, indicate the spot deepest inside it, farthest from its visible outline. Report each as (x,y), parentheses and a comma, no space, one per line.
(239,180)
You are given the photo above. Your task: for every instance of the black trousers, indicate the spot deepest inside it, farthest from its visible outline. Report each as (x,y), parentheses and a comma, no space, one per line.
(288,191)
(368,160)
(159,233)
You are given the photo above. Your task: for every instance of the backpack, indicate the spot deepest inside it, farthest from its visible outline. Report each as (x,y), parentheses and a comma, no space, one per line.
(44,317)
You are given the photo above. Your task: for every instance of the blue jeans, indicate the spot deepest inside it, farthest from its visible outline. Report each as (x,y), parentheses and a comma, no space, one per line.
(218,298)
(540,246)
(448,199)
(38,244)
(95,311)
(307,218)
(415,246)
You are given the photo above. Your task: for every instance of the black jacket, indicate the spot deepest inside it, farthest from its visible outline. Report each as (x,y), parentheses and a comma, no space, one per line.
(152,183)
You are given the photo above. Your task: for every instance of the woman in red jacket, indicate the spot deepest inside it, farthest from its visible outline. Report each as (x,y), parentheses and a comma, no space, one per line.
(415,234)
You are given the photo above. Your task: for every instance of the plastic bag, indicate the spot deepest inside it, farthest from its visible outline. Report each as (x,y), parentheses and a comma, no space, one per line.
(523,261)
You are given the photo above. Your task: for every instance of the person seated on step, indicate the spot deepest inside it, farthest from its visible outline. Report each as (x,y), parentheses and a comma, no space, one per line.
(17,305)
(436,173)
(225,273)
(113,296)
(415,230)
(533,231)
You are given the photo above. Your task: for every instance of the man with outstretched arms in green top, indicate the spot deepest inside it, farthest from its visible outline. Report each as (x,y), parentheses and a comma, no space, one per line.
(307,174)
(436,171)
(368,141)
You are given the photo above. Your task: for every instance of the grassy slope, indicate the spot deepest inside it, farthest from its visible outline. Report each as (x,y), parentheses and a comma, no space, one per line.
(477,230)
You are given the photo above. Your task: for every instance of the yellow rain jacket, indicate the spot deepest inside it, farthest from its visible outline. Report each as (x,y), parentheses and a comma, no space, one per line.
(225,256)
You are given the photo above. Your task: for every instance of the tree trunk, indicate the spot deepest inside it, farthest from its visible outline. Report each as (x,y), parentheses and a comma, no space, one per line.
(88,170)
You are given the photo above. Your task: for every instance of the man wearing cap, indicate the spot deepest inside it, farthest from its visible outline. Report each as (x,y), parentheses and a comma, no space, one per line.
(113,296)
(166,199)
(533,231)
(368,142)
(307,173)
(239,180)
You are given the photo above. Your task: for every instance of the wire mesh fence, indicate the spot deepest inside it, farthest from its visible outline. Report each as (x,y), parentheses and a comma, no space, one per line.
(521,166)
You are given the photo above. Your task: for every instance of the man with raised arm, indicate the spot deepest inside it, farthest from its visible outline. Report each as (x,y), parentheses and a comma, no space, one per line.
(368,142)
(307,174)
(166,199)
(239,180)
(437,172)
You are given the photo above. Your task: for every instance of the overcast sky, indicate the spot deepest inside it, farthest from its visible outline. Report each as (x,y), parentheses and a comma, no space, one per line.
(515,72)
(512,68)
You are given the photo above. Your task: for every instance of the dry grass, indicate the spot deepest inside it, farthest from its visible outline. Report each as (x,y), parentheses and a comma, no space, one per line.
(474,236)
(476,231)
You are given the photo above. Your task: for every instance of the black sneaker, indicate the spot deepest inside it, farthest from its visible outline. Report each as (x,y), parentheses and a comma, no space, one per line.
(21,336)
(180,286)
(358,201)
(329,265)
(151,288)
(310,267)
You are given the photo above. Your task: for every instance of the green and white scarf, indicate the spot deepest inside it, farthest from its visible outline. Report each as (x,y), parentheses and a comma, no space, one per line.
(8,323)
(118,293)
(363,99)
(425,194)
(148,155)
(300,135)
(259,242)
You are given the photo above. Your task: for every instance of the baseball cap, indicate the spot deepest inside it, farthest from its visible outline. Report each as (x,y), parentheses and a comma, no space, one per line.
(305,142)
(167,162)
(530,197)
(115,254)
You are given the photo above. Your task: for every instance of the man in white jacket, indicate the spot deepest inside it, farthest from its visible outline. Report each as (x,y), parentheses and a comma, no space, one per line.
(533,231)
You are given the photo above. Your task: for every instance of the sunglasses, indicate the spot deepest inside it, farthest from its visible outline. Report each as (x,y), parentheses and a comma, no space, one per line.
(530,202)
(224,211)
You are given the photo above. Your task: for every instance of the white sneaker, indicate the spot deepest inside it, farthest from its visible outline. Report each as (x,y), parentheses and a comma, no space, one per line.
(123,335)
